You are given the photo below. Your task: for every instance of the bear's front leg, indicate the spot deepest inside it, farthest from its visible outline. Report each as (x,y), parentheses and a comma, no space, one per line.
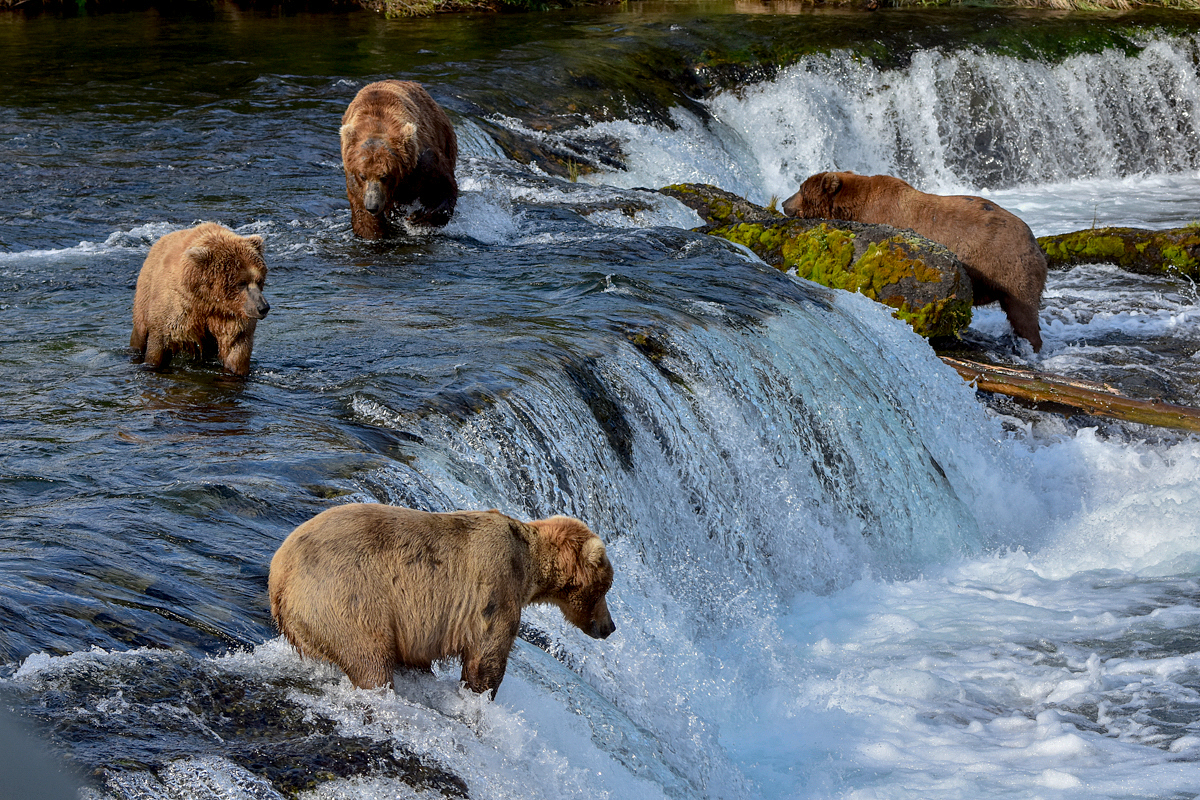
(366,224)
(235,355)
(437,190)
(482,671)
(370,673)
(157,353)
(363,222)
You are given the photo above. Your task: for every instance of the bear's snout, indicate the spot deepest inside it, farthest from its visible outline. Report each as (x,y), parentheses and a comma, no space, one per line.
(794,205)
(373,197)
(602,625)
(256,305)
(601,629)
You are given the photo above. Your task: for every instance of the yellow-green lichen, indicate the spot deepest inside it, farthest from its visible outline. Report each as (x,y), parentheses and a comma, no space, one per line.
(1133,249)
(886,263)
(1084,243)
(717,206)
(825,255)
(944,317)
(821,254)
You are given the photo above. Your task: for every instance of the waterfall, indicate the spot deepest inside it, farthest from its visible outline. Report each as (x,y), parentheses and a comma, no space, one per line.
(963,120)
(727,459)
(729,465)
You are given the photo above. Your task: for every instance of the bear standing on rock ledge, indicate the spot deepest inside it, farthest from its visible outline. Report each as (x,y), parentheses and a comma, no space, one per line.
(398,147)
(372,587)
(997,249)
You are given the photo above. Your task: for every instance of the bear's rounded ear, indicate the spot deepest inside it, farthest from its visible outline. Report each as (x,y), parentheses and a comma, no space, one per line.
(832,183)
(345,131)
(198,255)
(593,552)
(256,242)
(407,131)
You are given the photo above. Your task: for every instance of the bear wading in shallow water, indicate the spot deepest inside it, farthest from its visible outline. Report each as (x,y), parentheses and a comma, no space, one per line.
(373,587)
(398,147)
(200,292)
(997,249)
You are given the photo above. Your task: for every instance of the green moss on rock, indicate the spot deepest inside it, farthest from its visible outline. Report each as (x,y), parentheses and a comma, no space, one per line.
(1145,252)
(717,206)
(920,280)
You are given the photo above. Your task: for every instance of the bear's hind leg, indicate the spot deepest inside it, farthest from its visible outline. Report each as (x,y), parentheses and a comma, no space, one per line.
(1024,320)
(137,340)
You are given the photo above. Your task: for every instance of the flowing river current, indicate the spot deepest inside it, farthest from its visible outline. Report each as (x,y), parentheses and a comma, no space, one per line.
(839,571)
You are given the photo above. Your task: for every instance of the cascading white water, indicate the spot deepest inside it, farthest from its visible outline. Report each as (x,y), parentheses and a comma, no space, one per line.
(757,466)
(962,120)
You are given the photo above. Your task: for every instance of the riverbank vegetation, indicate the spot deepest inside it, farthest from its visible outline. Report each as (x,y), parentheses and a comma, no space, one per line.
(411,8)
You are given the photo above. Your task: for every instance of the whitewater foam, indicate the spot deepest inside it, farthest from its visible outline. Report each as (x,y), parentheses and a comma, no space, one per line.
(950,122)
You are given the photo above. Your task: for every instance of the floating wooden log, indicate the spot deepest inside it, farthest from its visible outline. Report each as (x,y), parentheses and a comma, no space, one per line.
(1094,399)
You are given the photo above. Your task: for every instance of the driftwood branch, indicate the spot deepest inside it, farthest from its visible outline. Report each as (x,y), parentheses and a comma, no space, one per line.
(1094,399)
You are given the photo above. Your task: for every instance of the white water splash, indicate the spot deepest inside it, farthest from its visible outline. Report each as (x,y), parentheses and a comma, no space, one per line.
(949,122)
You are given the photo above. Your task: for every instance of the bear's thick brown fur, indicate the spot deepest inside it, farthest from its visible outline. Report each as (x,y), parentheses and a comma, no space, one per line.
(200,291)
(373,587)
(997,249)
(398,146)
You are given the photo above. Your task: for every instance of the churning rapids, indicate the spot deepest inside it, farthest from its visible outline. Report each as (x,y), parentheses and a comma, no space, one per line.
(839,573)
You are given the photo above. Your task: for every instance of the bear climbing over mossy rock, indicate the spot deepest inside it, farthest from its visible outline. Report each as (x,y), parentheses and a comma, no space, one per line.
(373,587)
(200,292)
(398,148)
(997,249)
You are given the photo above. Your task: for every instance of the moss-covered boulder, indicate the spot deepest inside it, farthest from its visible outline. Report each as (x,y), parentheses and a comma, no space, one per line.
(716,206)
(1134,249)
(921,280)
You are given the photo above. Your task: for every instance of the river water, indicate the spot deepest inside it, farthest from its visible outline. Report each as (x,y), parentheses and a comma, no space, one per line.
(839,572)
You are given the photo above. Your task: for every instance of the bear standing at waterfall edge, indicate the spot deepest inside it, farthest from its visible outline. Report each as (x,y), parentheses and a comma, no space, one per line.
(373,587)
(398,147)
(997,249)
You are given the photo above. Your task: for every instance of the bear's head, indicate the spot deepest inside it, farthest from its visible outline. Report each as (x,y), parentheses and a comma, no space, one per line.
(378,155)
(228,274)
(583,575)
(815,200)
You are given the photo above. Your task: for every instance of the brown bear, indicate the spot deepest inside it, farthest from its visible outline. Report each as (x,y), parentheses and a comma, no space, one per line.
(373,587)
(200,291)
(997,249)
(397,147)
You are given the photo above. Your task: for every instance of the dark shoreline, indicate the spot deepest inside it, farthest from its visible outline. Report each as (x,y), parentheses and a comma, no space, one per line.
(402,8)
